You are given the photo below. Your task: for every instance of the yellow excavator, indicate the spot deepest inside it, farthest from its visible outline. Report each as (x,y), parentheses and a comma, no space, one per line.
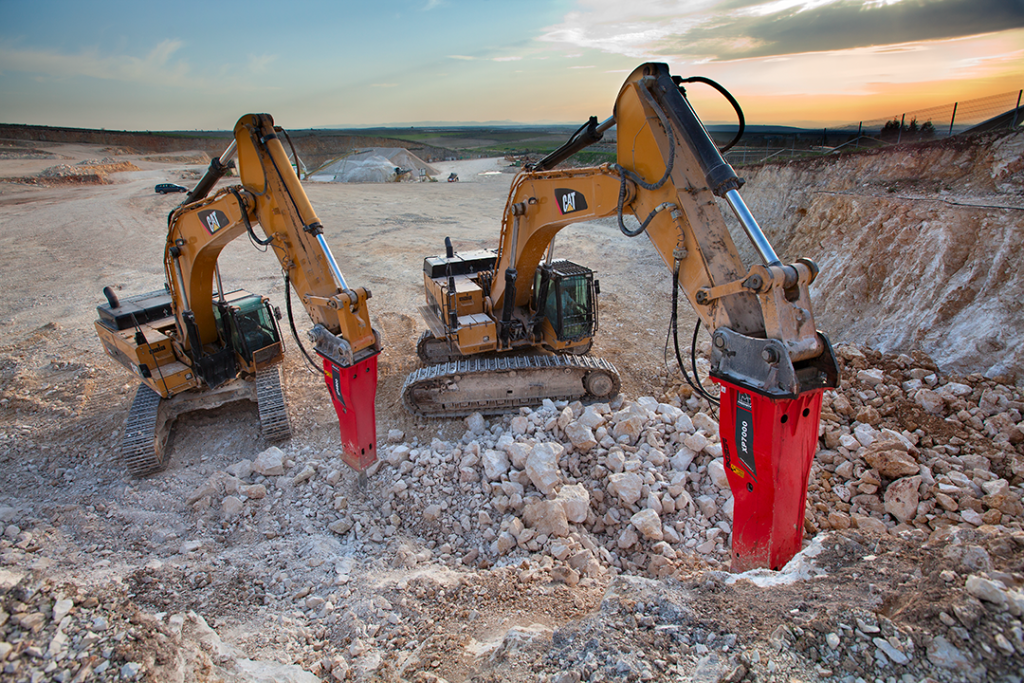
(195,345)
(513,326)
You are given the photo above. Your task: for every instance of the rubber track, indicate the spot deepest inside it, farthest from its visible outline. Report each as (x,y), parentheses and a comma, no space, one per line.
(138,448)
(497,366)
(270,400)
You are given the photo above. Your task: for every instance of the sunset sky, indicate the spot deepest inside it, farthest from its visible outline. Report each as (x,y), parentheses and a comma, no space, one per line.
(182,65)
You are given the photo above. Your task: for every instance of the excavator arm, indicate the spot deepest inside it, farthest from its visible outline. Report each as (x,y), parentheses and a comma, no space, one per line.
(271,196)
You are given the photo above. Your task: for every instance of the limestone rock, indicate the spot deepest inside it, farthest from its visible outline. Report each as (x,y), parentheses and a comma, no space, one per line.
(518,453)
(575,500)
(495,464)
(307,473)
(269,463)
(542,466)
(626,485)
(891,459)
(581,436)
(241,469)
(987,590)
(682,459)
(476,424)
(716,470)
(931,401)
(705,423)
(546,517)
(871,377)
(901,498)
(591,418)
(628,430)
(648,523)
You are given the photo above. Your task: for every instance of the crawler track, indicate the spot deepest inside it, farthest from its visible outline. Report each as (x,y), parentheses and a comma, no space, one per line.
(139,451)
(270,399)
(503,383)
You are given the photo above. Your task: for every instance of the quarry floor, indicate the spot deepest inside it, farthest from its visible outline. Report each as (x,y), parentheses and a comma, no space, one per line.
(164,586)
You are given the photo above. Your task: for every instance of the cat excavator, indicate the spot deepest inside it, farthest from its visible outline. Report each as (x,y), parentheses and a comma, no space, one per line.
(513,326)
(195,345)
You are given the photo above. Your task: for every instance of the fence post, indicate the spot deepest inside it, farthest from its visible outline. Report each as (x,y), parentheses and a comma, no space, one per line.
(1013,122)
(899,135)
(952,119)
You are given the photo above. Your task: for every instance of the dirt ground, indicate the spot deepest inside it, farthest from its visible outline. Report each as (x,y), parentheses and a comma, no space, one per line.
(282,593)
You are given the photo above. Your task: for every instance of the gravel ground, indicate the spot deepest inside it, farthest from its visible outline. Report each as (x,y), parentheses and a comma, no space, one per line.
(562,543)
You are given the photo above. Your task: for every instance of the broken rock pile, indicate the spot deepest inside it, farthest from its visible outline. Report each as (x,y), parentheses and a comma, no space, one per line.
(640,486)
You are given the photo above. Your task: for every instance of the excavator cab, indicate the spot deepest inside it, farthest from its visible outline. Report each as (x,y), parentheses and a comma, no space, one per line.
(567,300)
(247,322)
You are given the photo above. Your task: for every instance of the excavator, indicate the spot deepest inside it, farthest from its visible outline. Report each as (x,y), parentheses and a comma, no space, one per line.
(513,326)
(195,345)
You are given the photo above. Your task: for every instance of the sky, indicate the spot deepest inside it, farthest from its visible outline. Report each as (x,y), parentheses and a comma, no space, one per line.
(188,65)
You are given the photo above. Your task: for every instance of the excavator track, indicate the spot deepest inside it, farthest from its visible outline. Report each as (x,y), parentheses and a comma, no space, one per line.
(139,451)
(270,399)
(499,384)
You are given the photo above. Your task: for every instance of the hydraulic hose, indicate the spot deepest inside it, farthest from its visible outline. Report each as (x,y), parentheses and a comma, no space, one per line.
(625,173)
(694,382)
(248,225)
(314,368)
(727,95)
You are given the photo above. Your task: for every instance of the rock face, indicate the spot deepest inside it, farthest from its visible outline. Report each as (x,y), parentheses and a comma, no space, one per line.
(869,232)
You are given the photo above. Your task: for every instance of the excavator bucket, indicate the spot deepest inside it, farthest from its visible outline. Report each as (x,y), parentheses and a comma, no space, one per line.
(353,391)
(768,446)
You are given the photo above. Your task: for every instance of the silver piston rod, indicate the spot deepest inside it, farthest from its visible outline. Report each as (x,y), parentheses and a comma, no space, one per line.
(331,262)
(761,244)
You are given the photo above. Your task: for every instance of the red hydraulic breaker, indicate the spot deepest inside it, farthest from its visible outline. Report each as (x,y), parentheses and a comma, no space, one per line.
(353,391)
(768,445)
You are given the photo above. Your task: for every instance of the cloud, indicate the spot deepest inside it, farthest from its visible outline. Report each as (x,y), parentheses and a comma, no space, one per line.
(156,68)
(741,29)
(432,4)
(384,85)
(507,59)
(259,64)
(462,57)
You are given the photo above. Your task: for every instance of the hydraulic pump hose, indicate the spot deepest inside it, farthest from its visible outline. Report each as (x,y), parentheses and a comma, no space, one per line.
(625,173)
(248,225)
(725,93)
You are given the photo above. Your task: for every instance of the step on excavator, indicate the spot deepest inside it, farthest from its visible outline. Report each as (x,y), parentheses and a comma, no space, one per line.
(512,326)
(196,346)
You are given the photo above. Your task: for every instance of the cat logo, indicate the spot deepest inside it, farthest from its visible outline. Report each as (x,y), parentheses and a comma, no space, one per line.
(570,201)
(213,220)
